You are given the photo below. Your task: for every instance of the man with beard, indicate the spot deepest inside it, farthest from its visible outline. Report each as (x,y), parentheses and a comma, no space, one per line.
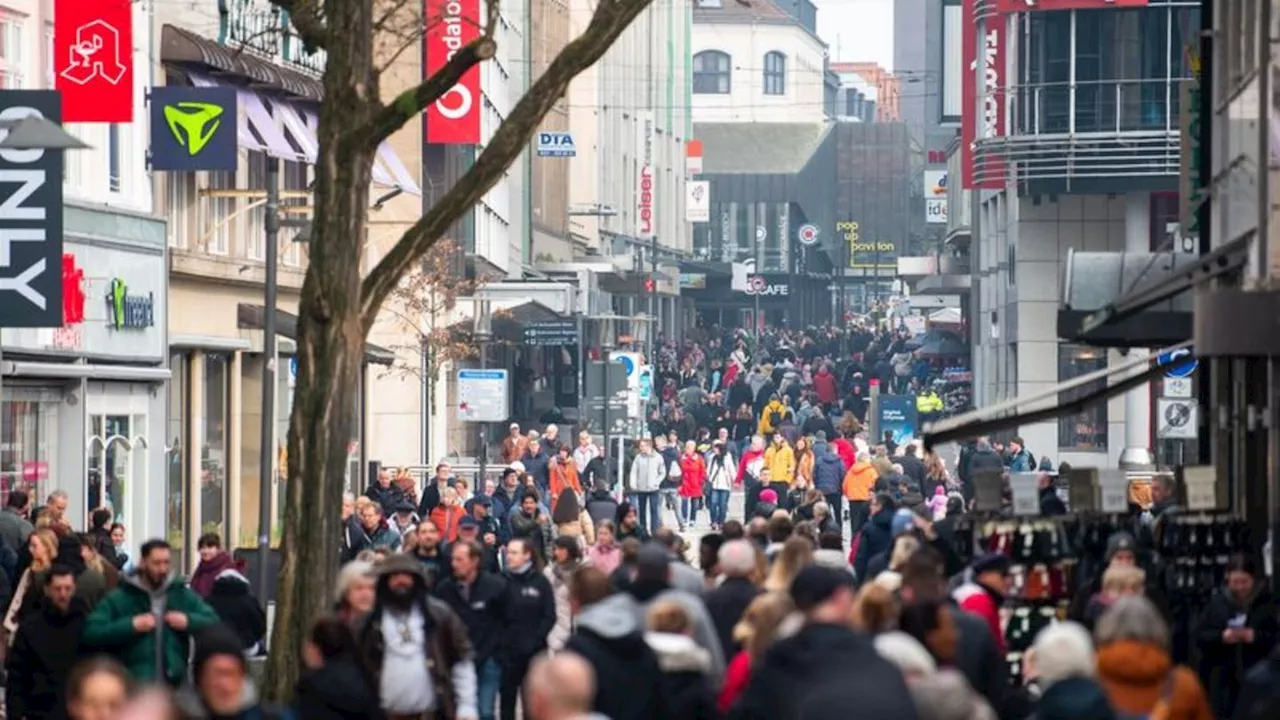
(418,648)
(427,551)
(45,648)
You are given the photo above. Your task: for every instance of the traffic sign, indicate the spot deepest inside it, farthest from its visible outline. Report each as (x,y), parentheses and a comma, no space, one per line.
(1181,363)
(1176,387)
(483,396)
(551,332)
(1176,419)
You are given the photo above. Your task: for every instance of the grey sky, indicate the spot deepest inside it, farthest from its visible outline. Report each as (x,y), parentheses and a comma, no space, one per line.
(857,29)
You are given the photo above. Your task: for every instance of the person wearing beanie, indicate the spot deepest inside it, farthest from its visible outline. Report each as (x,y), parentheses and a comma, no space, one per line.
(984,594)
(1122,550)
(768,501)
(221,688)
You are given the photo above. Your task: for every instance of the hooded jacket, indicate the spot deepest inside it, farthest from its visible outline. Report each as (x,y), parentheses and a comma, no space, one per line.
(611,638)
(828,471)
(684,668)
(781,461)
(860,481)
(1137,676)
(232,600)
(161,654)
(44,650)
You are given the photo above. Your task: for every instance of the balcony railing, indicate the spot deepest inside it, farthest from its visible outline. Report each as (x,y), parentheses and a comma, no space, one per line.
(1092,129)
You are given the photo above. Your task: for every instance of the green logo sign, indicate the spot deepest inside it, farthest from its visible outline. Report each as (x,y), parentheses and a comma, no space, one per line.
(127,311)
(193,124)
(194,128)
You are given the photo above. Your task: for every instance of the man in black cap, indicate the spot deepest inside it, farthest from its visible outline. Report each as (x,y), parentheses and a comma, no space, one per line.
(488,529)
(984,593)
(1122,550)
(800,676)
(221,685)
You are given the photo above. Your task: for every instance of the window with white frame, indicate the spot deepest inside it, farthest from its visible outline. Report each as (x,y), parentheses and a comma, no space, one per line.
(184,212)
(220,209)
(255,218)
(775,73)
(114,152)
(294,176)
(12,56)
(712,73)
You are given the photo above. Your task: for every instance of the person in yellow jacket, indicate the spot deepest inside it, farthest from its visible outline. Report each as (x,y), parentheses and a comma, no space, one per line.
(928,403)
(781,461)
(772,416)
(859,484)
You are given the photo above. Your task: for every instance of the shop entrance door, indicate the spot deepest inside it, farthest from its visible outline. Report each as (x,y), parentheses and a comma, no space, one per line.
(117,452)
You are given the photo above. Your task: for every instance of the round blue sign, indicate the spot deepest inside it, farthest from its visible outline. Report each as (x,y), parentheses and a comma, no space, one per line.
(1180,363)
(627,363)
(293,366)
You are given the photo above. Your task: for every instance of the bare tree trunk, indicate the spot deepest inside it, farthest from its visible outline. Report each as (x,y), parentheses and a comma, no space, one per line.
(330,347)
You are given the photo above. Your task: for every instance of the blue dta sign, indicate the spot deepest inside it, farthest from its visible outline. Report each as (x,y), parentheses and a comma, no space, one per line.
(1181,363)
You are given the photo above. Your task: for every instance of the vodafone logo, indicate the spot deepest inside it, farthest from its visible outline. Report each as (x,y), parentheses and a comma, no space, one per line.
(456,103)
(454,118)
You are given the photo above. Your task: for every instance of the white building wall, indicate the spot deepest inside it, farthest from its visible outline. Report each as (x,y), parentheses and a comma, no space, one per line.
(746,46)
(499,220)
(1022,257)
(645,70)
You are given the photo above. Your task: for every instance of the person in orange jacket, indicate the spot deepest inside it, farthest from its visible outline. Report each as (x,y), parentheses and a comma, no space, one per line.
(447,515)
(859,483)
(564,474)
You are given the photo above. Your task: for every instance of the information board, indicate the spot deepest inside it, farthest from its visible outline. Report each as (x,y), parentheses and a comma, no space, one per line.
(483,396)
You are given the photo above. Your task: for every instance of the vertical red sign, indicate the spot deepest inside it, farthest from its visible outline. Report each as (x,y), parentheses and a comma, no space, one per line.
(968,91)
(454,119)
(93,59)
(991,114)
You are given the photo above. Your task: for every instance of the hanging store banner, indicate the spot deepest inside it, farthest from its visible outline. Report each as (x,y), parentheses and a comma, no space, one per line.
(30,219)
(952,61)
(454,119)
(697,205)
(935,197)
(968,92)
(645,183)
(93,59)
(1018,6)
(989,68)
(193,128)
(693,157)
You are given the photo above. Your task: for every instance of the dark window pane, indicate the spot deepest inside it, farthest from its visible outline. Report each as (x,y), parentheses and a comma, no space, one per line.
(1085,431)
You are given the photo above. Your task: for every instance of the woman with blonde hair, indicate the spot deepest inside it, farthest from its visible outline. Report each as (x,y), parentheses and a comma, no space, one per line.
(903,548)
(796,553)
(762,623)
(875,610)
(43,546)
(355,591)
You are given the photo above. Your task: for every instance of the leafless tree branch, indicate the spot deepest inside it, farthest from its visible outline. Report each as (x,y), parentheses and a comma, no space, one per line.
(611,18)
(307,18)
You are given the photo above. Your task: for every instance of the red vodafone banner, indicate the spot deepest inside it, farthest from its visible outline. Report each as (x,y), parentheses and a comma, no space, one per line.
(454,119)
(1015,6)
(93,59)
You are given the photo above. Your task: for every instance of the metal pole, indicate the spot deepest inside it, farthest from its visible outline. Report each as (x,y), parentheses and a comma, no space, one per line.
(267,460)
(653,299)
(483,426)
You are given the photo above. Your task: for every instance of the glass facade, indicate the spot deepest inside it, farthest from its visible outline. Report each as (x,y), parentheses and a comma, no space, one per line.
(1128,63)
(28,443)
(214,445)
(175,490)
(1085,431)
(741,231)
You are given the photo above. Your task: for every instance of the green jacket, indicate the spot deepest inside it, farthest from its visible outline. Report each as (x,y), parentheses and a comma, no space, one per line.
(110,627)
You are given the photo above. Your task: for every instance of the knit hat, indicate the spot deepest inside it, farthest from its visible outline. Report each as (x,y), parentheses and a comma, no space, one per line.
(768,495)
(216,641)
(1119,542)
(815,584)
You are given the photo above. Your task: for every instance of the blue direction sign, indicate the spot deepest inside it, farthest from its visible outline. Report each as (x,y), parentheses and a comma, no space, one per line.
(1180,363)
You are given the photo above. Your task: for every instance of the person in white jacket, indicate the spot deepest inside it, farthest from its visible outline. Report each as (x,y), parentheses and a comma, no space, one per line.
(648,470)
(722,468)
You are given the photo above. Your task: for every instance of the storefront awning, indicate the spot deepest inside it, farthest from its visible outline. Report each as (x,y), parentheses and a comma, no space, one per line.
(253,317)
(1008,415)
(179,45)
(1095,280)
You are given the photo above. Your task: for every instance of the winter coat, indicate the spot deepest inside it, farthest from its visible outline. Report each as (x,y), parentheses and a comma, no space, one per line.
(693,475)
(781,461)
(684,668)
(483,611)
(207,572)
(804,668)
(611,638)
(387,497)
(875,538)
(44,650)
(985,603)
(539,466)
(604,558)
(1138,676)
(235,605)
(648,472)
(446,519)
(749,466)
(721,470)
(771,416)
(559,577)
(109,628)
(1223,665)
(530,605)
(601,505)
(824,384)
(571,520)
(562,477)
(336,691)
(860,481)
(726,604)
(1259,697)
(531,528)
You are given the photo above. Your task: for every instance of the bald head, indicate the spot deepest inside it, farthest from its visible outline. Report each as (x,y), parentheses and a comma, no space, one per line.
(560,687)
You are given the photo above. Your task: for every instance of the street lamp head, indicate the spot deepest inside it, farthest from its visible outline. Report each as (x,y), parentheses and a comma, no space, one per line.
(37,133)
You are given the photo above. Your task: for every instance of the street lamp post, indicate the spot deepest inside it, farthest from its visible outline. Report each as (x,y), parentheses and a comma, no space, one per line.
(483,331)
(606,346)
(267,436)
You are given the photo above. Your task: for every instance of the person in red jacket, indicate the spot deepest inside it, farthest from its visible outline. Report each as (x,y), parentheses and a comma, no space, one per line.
(693,480)
(846,451)
(824,384)
(984,593)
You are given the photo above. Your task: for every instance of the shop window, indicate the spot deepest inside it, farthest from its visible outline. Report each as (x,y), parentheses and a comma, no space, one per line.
(176,455)
(214,446)
(110,463)
(1085,431)
(256,217)
(28,445)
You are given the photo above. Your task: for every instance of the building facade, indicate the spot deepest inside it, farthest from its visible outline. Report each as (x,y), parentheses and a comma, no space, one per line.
(1075,129)
(83,406)
(216,250)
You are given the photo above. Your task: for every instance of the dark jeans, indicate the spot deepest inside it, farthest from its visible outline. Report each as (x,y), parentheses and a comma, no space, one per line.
(652,519)
(857,515)
(750,498)
(513,672)
(488,681)
(834,503)
(781,488)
